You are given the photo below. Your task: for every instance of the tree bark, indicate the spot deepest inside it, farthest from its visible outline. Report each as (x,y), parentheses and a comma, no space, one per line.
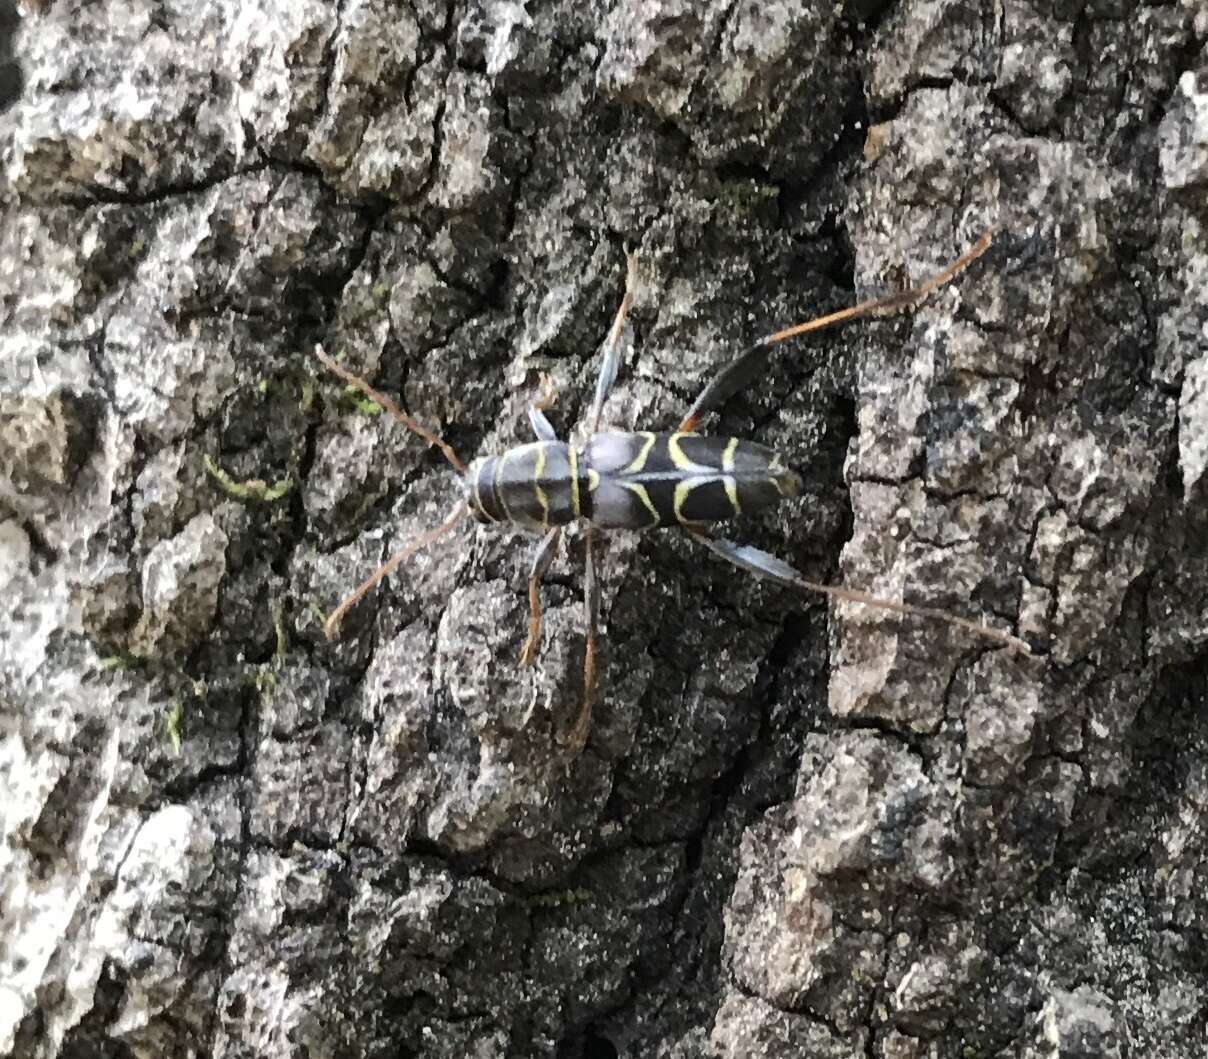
(795,830)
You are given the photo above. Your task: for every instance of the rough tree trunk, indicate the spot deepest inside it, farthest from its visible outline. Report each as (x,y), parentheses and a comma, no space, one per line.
(795,830)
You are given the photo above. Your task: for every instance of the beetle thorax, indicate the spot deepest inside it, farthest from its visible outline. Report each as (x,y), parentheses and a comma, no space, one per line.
(534,486)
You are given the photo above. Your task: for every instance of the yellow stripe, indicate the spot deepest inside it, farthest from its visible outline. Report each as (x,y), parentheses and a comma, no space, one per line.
(477,494)
(593,480)
(639,461)
(574,480)
(680,459)
(727,465)
(727,457)
(682,490)
(644,497)
(542,499)
(507,515)
(732,493)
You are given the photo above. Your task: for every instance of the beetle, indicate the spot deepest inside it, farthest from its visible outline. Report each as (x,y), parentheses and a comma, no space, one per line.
(644,480)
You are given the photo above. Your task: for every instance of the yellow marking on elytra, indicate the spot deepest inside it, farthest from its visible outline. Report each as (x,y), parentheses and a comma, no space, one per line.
(640,492)
(727,465)
(682,491)
(732,493)
(727,457)
(542,499)
(593,480)
(639,461)
(680,458)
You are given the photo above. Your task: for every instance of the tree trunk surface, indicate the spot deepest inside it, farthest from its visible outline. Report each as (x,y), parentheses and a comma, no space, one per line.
(796,829)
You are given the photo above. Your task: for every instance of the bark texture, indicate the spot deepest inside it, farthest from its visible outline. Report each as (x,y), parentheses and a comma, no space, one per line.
(794,831)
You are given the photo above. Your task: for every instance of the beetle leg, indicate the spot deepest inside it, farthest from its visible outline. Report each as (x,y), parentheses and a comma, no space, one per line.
(542,426)
(613,345)
(761,564)
(547,395)
(750,362)
(591,606)
(542,557)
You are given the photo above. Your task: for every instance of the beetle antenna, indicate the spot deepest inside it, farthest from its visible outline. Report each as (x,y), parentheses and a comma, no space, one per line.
(392,408)
(890,303)
(331,627)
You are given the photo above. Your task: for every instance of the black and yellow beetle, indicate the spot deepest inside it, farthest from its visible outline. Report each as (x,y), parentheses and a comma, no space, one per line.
(639,481)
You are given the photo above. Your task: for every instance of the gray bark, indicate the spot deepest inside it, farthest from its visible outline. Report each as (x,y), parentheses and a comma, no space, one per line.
(795,830)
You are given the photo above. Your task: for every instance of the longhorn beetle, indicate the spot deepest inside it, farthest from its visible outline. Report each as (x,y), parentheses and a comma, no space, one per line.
(643,481)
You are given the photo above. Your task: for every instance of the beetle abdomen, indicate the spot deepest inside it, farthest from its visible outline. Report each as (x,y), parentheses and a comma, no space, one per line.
(644,480)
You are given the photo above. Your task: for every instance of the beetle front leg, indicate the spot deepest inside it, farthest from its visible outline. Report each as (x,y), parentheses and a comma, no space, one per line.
(542,427)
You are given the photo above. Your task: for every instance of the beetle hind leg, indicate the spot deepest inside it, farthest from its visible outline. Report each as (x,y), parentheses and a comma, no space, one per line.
(761,564)
(542,427)
(750,363)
